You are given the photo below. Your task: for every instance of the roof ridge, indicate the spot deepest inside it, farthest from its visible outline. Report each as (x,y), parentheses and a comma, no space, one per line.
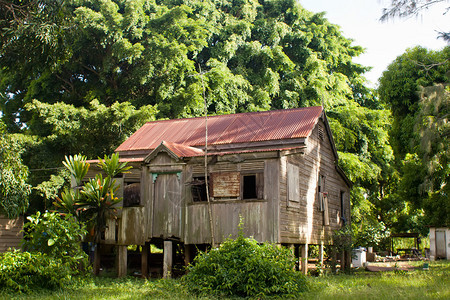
(241,113)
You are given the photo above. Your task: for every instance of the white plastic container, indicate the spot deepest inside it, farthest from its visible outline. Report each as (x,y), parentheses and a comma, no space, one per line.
(358,257)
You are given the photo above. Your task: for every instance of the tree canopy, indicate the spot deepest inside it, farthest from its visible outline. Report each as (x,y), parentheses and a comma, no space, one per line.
(79,76)
(414,88)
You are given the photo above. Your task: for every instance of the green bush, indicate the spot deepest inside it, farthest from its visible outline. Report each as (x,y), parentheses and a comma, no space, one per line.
(57,236)
(242,267)
(25,271)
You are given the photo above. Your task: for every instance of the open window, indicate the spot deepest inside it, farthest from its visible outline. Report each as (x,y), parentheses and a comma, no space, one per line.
(132,194)
(252,186)
(198,189)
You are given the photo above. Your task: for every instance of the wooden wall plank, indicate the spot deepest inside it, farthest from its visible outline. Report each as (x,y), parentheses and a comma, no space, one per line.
(10,233)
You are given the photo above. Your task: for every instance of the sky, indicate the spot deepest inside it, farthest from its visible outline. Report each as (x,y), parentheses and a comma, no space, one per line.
(382,41)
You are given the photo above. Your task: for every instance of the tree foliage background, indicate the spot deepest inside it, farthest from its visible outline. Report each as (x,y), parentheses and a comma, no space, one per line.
(80,76)
(415,88)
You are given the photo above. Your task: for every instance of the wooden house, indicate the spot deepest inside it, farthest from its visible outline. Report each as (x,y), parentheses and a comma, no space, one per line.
(278,170)
(10,233)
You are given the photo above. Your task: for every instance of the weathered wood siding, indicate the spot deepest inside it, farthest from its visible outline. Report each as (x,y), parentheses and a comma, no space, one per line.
(132,226)
(164,208)
(260,216)
(10,233)
(301,219)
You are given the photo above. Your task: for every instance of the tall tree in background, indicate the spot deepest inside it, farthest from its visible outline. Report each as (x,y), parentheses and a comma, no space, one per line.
(433,142)
(399,86)
(417,196)
(251,55)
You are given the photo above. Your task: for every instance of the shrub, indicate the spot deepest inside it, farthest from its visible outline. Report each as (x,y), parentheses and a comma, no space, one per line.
(242,267)
(24,271)
(57,236)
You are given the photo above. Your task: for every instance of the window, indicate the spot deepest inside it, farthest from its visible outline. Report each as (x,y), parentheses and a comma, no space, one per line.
(249,186)
(252,186)
(132,194)
(226,185)
(232,186)
(198,189)
(293,185)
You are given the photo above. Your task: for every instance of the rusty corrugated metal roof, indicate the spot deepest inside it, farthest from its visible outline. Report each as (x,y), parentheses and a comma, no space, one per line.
(183,150)
(226,129)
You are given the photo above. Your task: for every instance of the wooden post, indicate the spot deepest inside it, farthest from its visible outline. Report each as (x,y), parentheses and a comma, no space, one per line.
(187,255)
(297,257)
(292,249)
(321,254)
(304,254)
(168,258)
(348,260)
(342,261)
(97,257)
(333,260)
(121,261)
(144,259)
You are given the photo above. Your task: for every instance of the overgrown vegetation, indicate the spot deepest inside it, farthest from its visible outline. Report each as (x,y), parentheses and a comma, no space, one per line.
(242,267)
(417,284)
(58,237)
(27,271)
(92,203)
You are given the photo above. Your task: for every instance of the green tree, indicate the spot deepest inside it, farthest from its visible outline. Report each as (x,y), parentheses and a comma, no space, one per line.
(399,86)
(416,193)
(433,128)
(247,55)
(14,189)
(257,55)
(59,129)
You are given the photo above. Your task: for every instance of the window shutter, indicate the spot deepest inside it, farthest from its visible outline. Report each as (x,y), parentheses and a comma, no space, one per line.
(293,183)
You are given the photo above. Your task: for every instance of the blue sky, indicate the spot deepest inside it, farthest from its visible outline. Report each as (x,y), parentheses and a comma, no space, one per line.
(359,20)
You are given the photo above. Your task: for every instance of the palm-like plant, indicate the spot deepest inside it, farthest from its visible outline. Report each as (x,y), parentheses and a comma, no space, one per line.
(112,166)
(77,166)
(94,202)
(98,198)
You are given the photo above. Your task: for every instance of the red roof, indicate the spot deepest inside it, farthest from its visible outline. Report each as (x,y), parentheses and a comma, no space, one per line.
(225,129)
(182,150)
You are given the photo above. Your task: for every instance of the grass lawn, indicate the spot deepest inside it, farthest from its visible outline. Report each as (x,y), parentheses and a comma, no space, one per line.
(418,284)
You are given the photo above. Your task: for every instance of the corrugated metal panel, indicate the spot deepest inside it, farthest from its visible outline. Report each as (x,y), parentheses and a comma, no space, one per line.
(183,150)
(226,184)
(236,128)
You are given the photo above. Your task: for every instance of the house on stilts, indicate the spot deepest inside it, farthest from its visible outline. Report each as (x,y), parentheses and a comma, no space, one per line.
(278,170)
